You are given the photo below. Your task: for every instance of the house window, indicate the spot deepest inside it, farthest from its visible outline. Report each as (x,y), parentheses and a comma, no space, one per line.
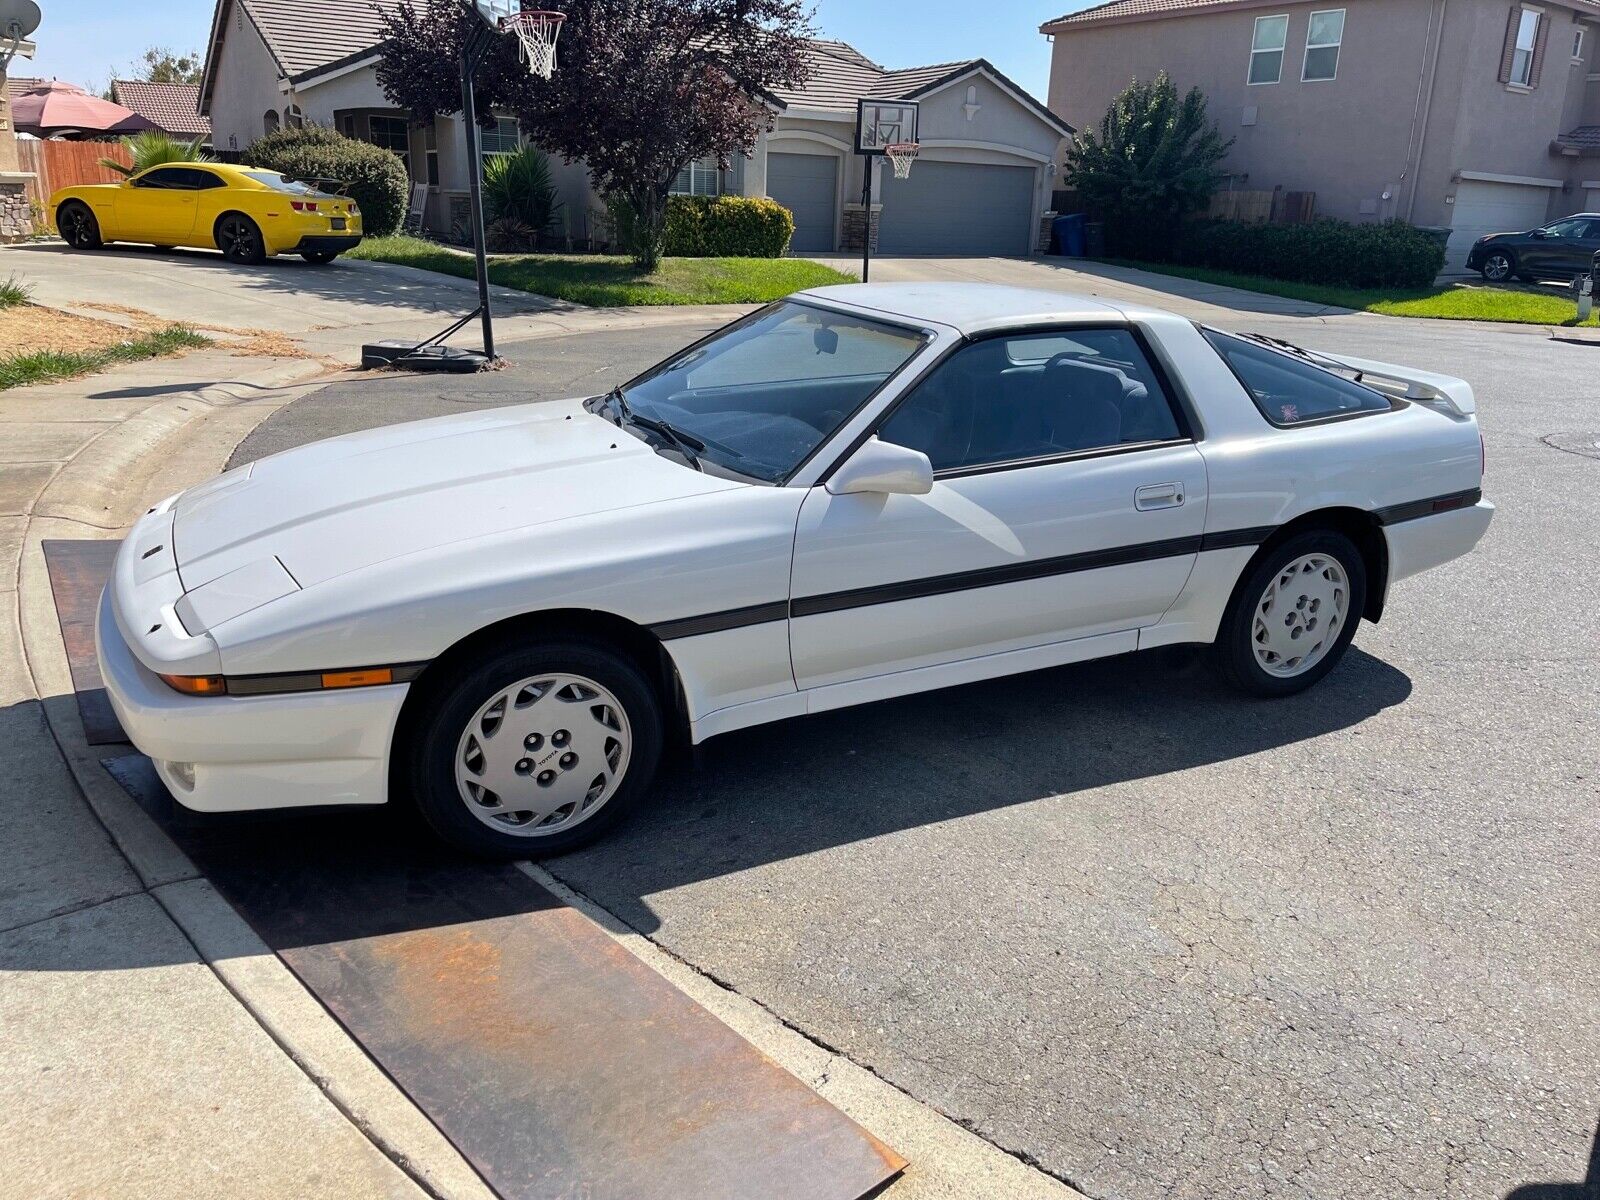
(269,121)
(347,125)
(1522,54)
(1266,49)
(504,138)
(392,133)
(293,118)
(699,178)
(430,152)
(1577,45)
(1323,37)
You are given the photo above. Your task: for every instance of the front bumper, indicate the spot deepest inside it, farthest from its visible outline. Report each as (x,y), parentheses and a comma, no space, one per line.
(331,243)
(251,752)
(1476,255)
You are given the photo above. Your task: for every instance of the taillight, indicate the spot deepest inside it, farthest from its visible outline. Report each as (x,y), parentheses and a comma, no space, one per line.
(1483,457)
(355,209)
(303,205)
(196,685)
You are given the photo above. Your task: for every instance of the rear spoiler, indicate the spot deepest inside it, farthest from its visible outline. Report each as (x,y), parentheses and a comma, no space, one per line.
(1447,394)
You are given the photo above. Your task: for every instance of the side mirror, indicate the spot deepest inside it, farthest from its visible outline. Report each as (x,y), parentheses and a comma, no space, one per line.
(825,340)
(885,468)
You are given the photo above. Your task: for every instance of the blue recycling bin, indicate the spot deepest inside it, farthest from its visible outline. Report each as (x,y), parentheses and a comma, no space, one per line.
(1068,235)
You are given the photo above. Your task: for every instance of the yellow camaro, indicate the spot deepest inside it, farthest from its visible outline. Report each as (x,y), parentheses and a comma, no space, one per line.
(245,212)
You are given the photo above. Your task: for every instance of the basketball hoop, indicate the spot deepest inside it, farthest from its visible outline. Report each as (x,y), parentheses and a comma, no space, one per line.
(536,30)
(901,155)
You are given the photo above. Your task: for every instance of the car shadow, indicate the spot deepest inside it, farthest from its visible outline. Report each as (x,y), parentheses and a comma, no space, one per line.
(781,791)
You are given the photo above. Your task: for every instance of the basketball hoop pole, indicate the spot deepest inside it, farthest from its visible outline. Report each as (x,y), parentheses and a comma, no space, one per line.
(866,208)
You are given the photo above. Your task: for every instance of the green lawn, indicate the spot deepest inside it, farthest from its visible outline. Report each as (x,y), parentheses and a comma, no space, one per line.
(604,280)
(41,366)
(1451,302)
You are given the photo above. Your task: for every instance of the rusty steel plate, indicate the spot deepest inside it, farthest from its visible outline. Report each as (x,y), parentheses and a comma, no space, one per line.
(78,573)
(555,1061)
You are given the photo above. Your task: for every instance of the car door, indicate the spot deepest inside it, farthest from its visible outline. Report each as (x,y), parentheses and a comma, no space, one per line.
(1068,501)
(1552,251)
(157,206)
(210,199)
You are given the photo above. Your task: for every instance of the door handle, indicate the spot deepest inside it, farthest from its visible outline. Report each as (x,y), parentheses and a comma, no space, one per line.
(1158,495)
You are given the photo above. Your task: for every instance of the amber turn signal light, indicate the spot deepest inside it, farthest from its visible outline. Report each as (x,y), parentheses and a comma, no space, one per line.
(196,685)
(344,679)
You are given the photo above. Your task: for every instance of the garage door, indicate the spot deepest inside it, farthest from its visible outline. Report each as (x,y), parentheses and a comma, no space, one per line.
(808,186)
(957,208)
(1482,208)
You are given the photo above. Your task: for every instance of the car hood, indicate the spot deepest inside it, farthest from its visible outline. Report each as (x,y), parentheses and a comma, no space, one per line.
(339,505)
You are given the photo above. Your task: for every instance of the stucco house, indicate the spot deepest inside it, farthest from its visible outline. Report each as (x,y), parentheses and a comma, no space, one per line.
(990,151)
(1481,115)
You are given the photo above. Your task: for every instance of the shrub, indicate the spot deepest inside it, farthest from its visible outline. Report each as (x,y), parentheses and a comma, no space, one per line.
(507,235)
(727,227)
(374,177)
(1392,254)
(517,187)
(152,148)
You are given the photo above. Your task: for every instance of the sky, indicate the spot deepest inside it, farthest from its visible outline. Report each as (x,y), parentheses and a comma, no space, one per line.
(89,42)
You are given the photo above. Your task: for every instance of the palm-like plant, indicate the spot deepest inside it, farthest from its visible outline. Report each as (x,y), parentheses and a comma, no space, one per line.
(517,187)
(152,148)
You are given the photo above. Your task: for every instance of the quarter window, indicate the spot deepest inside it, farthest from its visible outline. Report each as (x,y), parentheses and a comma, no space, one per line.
(1522,54)
(1271,35)
(1290,390)
(1324,35)
(1007,400)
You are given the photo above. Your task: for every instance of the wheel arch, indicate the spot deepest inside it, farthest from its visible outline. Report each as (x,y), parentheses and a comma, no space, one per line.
(1361,527)
(646,650)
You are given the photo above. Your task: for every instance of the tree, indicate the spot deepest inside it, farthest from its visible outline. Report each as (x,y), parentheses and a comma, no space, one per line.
(642,89)
(1155,161)
(158,64)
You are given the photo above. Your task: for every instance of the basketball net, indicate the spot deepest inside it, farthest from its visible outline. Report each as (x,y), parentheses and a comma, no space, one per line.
(901,155)
(536,31)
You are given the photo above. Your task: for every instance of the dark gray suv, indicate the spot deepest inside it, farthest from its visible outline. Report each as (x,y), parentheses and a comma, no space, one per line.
(1557,251)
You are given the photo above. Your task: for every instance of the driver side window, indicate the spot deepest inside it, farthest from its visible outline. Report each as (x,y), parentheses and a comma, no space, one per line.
(1036,396)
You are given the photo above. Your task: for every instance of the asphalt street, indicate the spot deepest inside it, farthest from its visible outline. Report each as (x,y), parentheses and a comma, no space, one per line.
(1163,940)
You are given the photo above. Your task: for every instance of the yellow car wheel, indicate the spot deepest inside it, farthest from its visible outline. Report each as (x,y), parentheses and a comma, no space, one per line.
(77,225)
(239,238)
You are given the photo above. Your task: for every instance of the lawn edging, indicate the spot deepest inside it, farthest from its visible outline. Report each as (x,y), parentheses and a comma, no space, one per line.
(1447,302)
(612,281)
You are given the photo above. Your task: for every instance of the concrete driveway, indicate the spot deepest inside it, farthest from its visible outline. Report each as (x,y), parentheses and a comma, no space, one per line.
(1162,940)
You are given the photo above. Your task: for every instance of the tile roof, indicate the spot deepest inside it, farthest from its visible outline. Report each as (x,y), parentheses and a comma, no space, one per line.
(17,84)
(1584,137)
(304,36)
(172,107)
(841,75)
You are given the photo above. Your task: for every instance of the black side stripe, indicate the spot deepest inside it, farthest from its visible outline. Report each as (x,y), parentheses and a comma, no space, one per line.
(733,618)
(1045,568)
(1414,509)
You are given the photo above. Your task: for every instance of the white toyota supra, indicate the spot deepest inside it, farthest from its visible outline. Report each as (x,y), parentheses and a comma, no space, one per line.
(855,493)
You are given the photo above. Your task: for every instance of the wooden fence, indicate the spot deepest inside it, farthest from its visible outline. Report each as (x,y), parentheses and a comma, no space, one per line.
(1259,207)
(63,164)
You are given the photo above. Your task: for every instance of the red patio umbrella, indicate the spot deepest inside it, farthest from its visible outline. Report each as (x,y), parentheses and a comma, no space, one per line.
(64,108)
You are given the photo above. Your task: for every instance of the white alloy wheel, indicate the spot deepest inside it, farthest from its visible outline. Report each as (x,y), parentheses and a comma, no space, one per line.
(543,755)
(1300,615)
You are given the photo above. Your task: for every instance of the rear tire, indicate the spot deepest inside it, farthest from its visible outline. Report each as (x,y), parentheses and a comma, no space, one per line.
(239,238)
(77,226)
(537,747)
(1292,615)
(319,257)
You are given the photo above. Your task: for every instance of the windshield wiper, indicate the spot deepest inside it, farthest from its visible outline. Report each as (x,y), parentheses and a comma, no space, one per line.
(685,443)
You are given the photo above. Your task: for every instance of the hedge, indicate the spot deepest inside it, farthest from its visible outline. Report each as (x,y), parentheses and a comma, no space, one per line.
(727,227)
(1390,254)
(376,178)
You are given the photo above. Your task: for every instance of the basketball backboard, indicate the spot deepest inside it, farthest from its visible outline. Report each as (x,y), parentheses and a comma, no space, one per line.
(881,123)
(493,12)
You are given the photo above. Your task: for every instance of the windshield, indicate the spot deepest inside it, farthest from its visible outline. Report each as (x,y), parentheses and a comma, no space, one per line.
(757,398)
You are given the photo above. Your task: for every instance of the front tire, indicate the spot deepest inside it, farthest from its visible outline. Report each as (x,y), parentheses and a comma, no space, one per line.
(77,226)
(239,238)
(1293,615)
(1498,267)
(536,748)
